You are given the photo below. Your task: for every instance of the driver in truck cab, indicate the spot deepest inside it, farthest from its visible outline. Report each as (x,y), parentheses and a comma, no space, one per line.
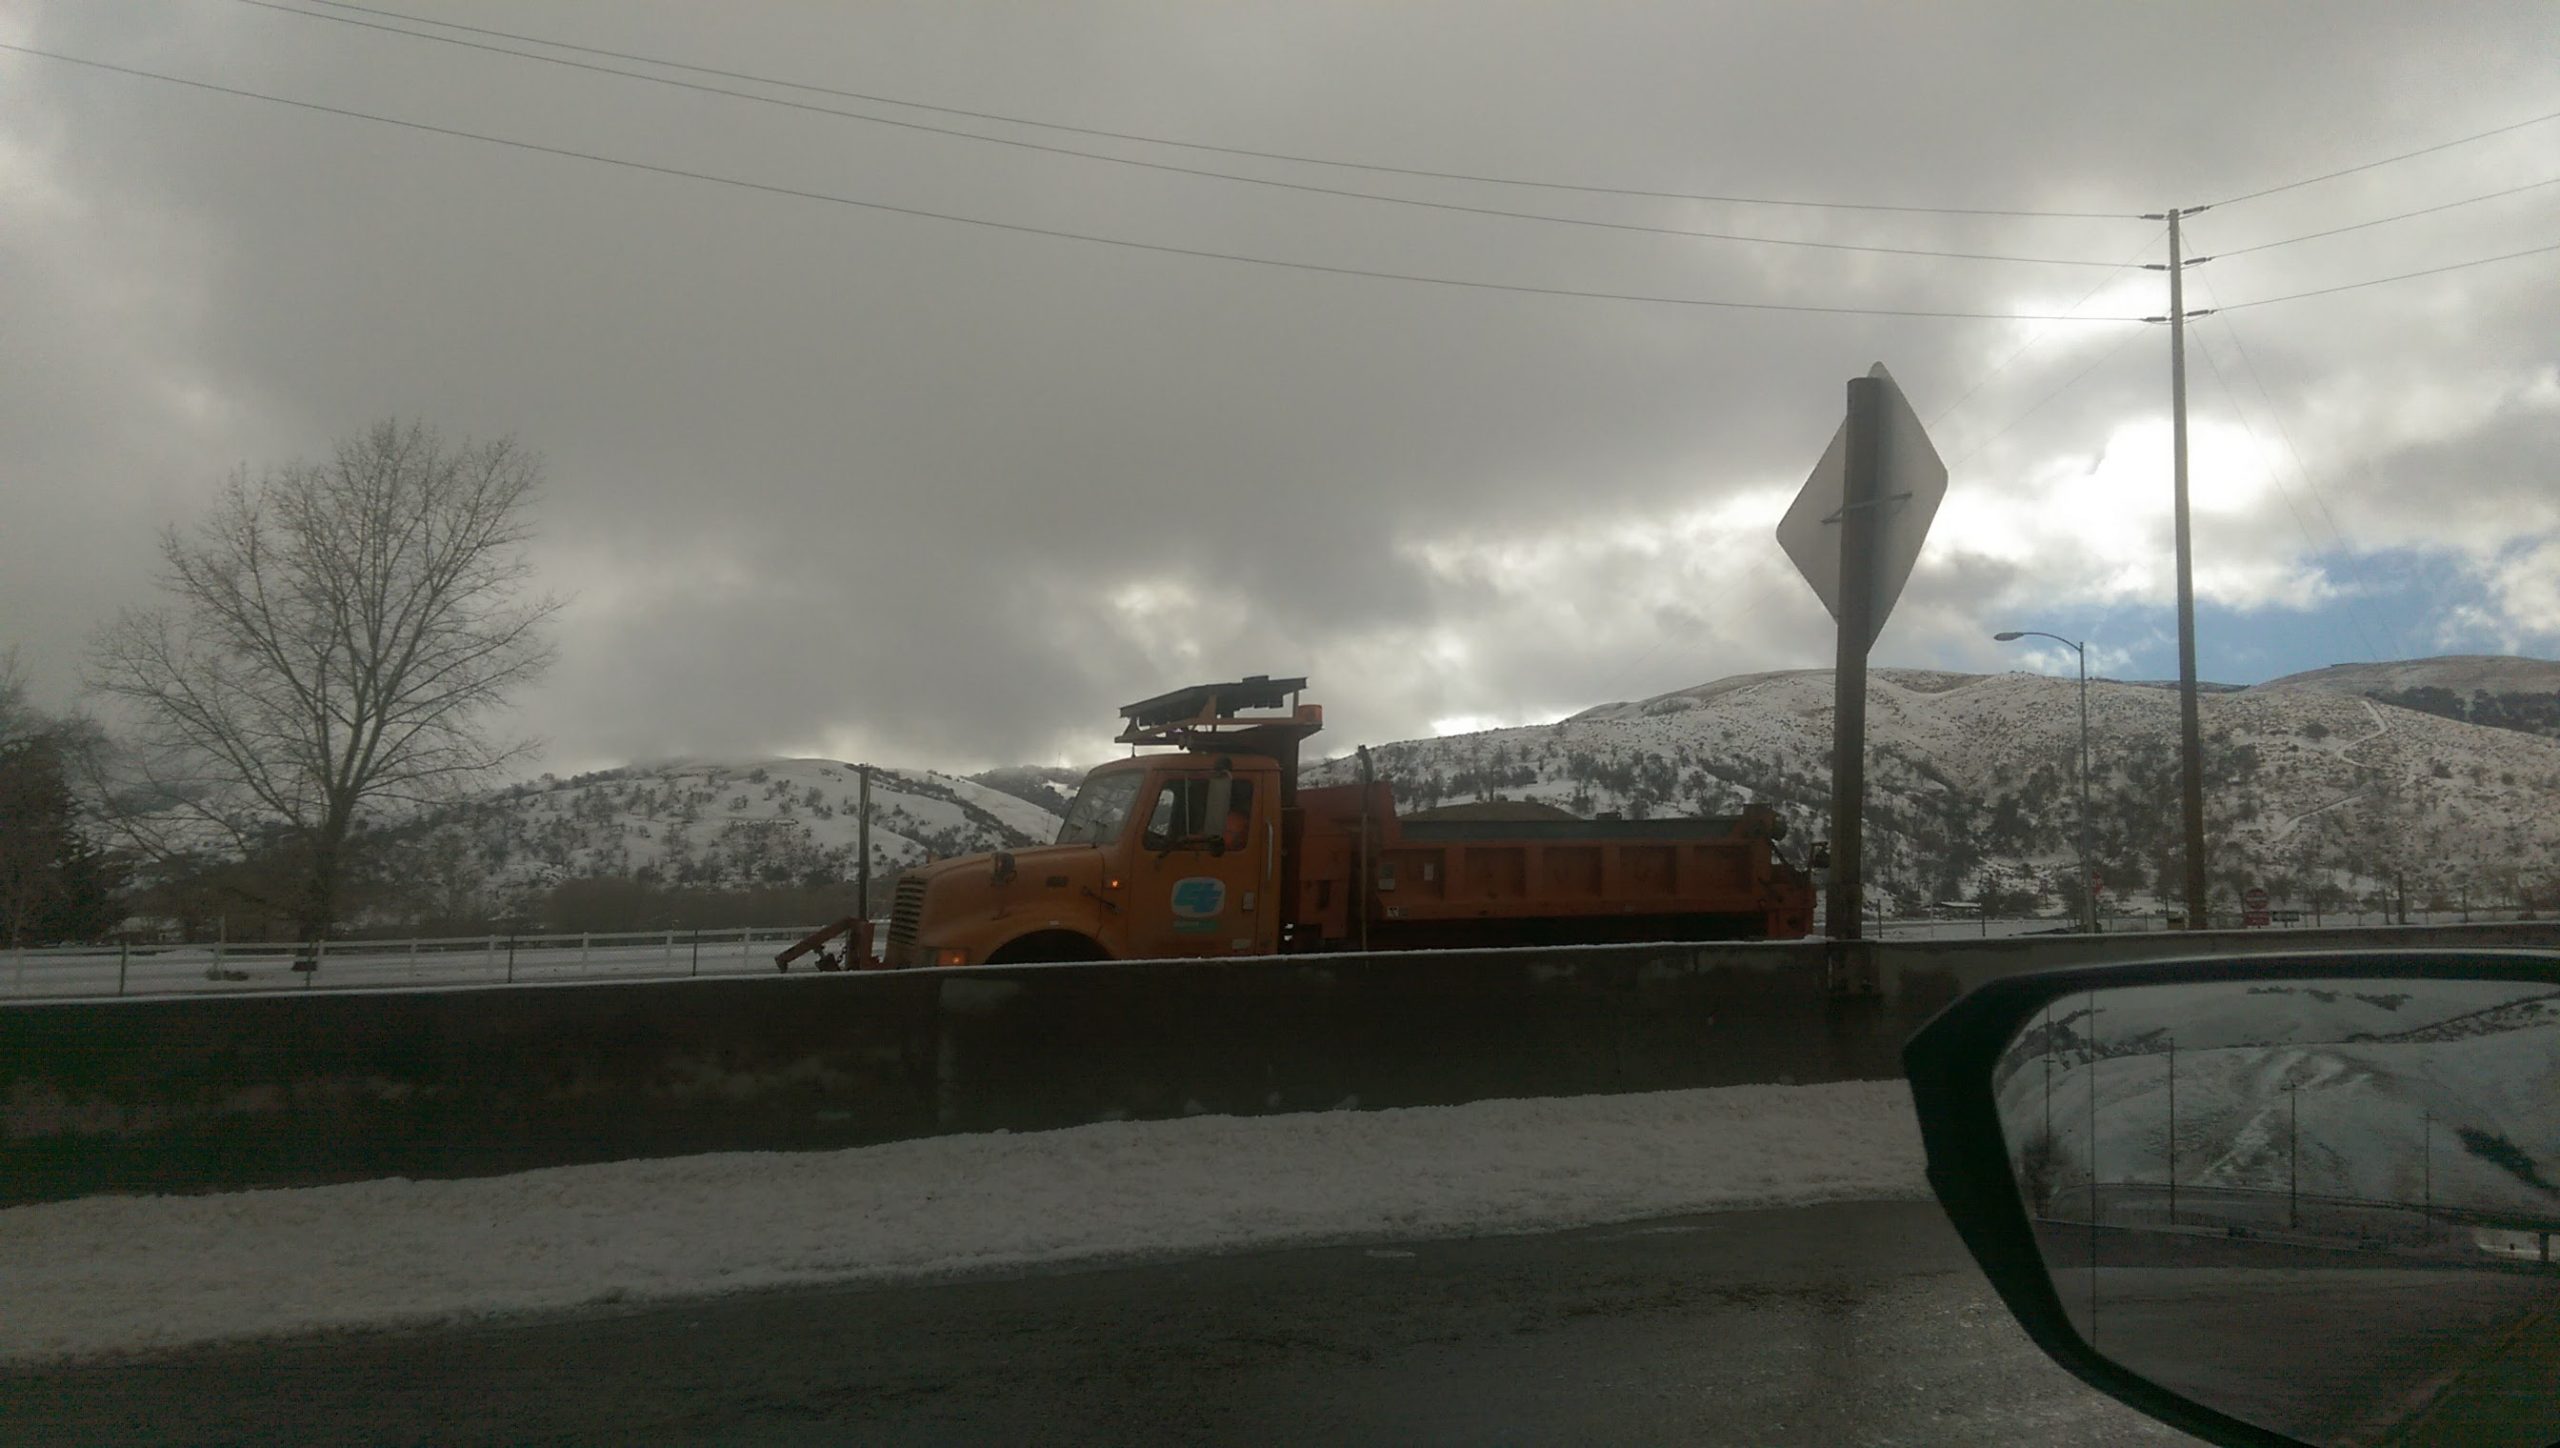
(1239,821)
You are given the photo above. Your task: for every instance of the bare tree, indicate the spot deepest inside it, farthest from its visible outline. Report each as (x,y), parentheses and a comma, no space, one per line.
(334,637)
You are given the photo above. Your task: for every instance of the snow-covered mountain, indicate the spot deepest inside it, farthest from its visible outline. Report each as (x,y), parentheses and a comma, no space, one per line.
(2320,795)
(728,824)
(2454,673)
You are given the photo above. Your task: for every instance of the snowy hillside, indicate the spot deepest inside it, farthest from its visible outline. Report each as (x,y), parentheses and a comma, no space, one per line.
(1052,789)
(774,821)
(2322,797)
(2327,798)
(2455,673)
(2493,689)
(2443,1090)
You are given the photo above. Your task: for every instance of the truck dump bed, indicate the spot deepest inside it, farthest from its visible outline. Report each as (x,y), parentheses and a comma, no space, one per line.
(1525,876)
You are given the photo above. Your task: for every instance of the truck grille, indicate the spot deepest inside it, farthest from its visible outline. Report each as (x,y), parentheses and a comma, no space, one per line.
(903,918)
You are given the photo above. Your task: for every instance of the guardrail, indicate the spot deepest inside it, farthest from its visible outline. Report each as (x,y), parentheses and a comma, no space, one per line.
(231,966)
(55,972)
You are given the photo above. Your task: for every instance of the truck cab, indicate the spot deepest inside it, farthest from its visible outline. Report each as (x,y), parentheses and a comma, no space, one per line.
(1161,855)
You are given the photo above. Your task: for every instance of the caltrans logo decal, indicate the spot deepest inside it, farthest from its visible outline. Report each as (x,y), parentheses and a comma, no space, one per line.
(1199,897)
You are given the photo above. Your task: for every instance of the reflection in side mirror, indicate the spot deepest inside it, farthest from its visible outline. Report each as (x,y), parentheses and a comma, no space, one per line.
(2325,1207)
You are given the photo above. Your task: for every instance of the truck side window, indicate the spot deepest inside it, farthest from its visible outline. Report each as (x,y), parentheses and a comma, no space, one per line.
(1177,812)
(1182,813)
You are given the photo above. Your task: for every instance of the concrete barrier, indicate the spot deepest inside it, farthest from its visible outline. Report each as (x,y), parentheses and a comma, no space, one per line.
(294,1088)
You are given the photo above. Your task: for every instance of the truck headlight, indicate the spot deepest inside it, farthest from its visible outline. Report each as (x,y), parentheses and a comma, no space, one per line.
(950,955)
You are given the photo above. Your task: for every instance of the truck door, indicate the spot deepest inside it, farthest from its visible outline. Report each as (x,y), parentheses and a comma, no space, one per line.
(1203,881)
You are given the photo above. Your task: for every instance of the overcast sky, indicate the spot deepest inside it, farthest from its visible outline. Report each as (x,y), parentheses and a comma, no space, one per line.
(827,479)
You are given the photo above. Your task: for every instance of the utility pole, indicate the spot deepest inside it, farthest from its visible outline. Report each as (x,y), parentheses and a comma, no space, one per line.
(2088,868)
(2173,1131)
(2092,998)
(2293,1156)
(2048,1074)
(2190,724)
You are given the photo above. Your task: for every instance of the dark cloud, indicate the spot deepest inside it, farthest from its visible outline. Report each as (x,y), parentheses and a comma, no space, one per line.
(832,479)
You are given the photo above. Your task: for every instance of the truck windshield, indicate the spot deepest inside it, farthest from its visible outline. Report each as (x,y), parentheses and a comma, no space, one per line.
(1101,808)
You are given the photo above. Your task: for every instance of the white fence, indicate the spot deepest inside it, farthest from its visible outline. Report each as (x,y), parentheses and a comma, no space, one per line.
(107,970)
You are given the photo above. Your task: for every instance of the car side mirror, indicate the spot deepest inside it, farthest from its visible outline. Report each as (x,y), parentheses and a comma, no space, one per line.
(2296,1199)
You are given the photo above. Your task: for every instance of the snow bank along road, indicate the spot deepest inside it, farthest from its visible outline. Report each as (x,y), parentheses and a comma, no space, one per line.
(134,1273)
(1838,1325)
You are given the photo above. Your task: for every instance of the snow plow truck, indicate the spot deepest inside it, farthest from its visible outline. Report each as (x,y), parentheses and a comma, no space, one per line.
(1202,843)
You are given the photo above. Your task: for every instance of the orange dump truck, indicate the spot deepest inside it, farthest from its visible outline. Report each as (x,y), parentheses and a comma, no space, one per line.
(1213,849)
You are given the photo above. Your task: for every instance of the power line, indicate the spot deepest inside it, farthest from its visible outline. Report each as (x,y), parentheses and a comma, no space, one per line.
(2362,166)
(2038,406)
(2231,394)
(2043,332)
(1293,158)
(2310,484)
(772,189)
(2401,277)
(1646,658)
(1019,144)
(2383,220)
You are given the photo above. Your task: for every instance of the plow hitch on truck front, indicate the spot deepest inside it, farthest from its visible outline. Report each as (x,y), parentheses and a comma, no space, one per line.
(856,954)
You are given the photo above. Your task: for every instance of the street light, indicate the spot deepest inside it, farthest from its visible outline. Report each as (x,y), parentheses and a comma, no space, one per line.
(2088,891)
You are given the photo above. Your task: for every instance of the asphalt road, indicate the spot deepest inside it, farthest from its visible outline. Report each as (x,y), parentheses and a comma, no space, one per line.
(1856,1323)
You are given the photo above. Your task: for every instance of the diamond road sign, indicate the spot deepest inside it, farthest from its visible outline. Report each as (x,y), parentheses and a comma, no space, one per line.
(1913,483)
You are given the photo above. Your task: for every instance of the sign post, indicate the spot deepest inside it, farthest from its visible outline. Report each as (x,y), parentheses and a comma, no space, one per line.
(1860,491)
(2253,907)
(1854,532)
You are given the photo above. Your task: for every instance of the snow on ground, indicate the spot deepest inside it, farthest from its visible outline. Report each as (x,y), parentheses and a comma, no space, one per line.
(107,1274)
